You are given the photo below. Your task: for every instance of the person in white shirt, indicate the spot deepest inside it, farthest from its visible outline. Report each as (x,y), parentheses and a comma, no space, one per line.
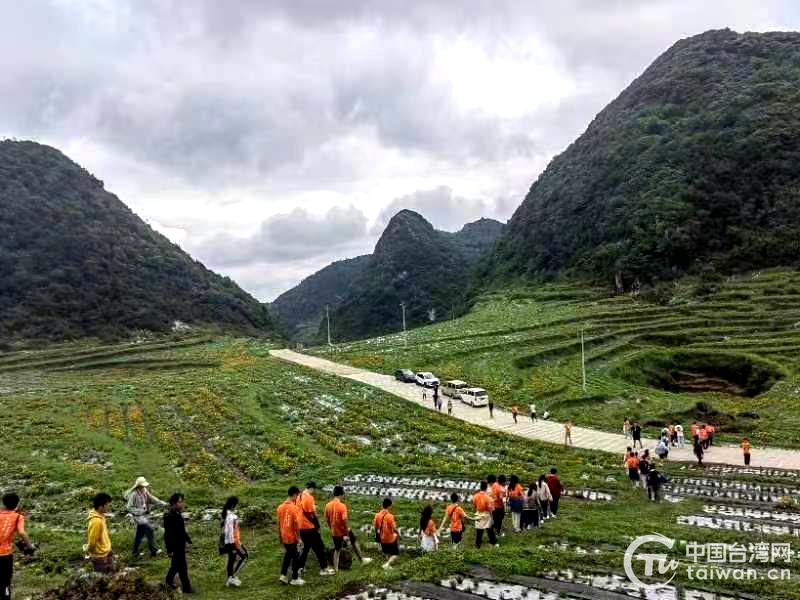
(139,502)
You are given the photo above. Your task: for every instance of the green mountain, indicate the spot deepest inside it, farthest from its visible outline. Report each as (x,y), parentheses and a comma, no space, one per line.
(300,309)
(694,168)
(413,263)
(75,261)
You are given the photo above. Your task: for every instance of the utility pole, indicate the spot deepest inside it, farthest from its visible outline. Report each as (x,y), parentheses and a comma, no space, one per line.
(405,336)
(583,363)
(328,319)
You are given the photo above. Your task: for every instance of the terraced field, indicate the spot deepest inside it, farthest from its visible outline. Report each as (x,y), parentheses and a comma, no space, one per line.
(213,417)
(727,357)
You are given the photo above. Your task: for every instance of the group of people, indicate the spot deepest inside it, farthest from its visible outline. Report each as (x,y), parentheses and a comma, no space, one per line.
(437,399)
(643,472)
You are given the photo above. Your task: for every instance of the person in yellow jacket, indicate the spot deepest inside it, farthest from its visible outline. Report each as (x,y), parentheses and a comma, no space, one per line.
(98,542)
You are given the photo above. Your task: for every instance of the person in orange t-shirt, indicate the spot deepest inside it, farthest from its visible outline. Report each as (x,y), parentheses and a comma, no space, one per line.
(746,451)
(711,431)
(498,494)
(289,536)
(632,463)
(386,533)
(568,433)
(484,507)
(694,431)
(309,530)
(515,413)
(456,514)
(12,523)
(336,516)
(703,435)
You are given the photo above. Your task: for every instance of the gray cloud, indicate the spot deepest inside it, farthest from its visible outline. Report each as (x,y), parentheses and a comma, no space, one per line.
(293,236)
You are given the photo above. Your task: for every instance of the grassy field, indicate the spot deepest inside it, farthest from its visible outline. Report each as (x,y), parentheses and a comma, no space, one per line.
(728,357)
(214,417)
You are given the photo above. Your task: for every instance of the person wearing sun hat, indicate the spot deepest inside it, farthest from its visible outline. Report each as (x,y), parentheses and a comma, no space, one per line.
(140,501)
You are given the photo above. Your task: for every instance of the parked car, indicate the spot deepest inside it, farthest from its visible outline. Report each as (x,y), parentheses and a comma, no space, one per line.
(405,376)
(426,379)
(453,387)
(474,396)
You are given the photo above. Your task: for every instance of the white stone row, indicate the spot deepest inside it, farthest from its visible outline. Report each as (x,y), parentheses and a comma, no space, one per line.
(741,486)
(755,471)
(737,525)
(496,590)
(707,492)
(750,513)
(378,593)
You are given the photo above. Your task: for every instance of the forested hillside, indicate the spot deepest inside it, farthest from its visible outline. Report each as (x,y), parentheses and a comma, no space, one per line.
(75,261)
(693,168)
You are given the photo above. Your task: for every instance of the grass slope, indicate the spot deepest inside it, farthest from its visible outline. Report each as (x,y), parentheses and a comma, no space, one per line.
(217,417)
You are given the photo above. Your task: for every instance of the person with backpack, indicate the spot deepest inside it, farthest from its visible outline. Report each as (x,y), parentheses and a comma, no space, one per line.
(176,539)
(310,531)
(12,524)
(556,489)
(98,544)
(544,497)
(530,514)
(230,542)
(516,502)
(456,514)
(428,532)
(386,533)
(139,502)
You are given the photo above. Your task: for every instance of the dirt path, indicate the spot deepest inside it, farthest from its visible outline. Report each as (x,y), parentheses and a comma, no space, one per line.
(546,431)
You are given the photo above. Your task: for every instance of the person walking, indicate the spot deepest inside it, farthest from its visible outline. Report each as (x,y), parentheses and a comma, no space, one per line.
(386,533)
(702,434)
(177,540)
(632,464)
(533,413)
(636,434)
(644,468)
(516,502)
(437,403)
(568,433)
(456,515)
(544,496)
(484,506)
(746,451)
(139,502)
(310,531)
(673,435)
(711,431)
(679,433)
(514,413)
(12,524)
(428,532)
(289,537)
(98,544)
(231,542)
(695,432)
(336,515)
(556,489)
(498,494)
(491,408)
(449,406)
(698,451)
(530,514)
(654,481)
(626,428)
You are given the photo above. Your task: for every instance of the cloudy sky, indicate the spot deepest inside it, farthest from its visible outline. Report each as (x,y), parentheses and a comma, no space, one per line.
(269,138)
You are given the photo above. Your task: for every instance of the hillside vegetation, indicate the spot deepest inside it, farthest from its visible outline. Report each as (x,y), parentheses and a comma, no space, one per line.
(693,168)
(75,261)
(413,263)
(727,357)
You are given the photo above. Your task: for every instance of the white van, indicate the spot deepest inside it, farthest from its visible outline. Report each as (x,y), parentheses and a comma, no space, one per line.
(474,396)
(453,387)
